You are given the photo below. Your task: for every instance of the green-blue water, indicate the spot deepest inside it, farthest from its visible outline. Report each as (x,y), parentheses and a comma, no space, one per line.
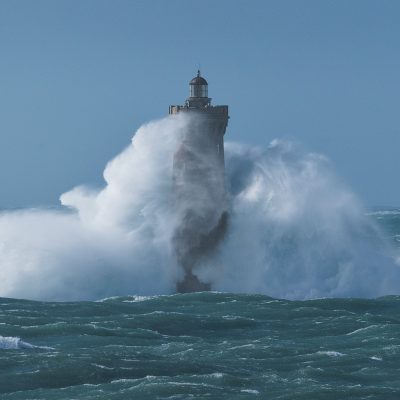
(202,345)
(205,345)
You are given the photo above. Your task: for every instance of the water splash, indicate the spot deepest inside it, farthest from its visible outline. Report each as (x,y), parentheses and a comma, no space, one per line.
(295,231)
(15,343)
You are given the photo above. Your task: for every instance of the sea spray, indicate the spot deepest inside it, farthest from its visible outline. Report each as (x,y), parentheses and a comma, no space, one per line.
(297,232)
(103,243)
(294,230)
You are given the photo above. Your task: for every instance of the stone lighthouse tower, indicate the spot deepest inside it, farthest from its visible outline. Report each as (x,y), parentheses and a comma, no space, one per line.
(199,186)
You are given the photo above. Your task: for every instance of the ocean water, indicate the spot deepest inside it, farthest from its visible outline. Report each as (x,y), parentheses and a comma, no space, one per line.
(204,345)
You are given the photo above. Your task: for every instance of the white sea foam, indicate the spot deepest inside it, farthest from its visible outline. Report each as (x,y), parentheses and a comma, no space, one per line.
(138,299)
(250,391)
(362,329)
(217,375)
(294,230)
(102,366)
(331,353)
(12,342)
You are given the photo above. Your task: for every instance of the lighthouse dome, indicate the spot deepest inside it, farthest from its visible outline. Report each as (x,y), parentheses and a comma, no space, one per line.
(198,80)
(198,86)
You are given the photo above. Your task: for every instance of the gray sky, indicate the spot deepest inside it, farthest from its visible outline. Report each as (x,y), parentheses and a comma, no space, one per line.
(77,78)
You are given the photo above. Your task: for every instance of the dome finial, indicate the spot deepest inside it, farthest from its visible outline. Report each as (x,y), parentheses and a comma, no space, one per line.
(198,72)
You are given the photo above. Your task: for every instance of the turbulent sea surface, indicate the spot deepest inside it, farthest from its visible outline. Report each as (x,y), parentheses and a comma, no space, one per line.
(203,345)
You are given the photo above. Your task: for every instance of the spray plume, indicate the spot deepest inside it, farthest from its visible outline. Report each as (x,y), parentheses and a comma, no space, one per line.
(294,231)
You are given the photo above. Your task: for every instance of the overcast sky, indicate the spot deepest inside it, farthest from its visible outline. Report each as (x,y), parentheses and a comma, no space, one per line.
(77,78)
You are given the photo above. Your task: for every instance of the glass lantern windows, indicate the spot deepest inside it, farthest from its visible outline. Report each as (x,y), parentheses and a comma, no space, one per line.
(198,91)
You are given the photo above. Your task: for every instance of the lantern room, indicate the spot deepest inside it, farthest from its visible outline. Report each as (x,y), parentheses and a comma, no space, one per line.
(198,86)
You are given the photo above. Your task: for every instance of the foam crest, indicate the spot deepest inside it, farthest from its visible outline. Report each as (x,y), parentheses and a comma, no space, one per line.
(10,342)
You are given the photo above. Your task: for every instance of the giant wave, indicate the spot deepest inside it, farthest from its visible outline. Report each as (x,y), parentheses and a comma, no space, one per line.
(295,231)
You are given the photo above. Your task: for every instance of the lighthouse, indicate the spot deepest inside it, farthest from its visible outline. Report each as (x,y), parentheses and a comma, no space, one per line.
(199,185)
